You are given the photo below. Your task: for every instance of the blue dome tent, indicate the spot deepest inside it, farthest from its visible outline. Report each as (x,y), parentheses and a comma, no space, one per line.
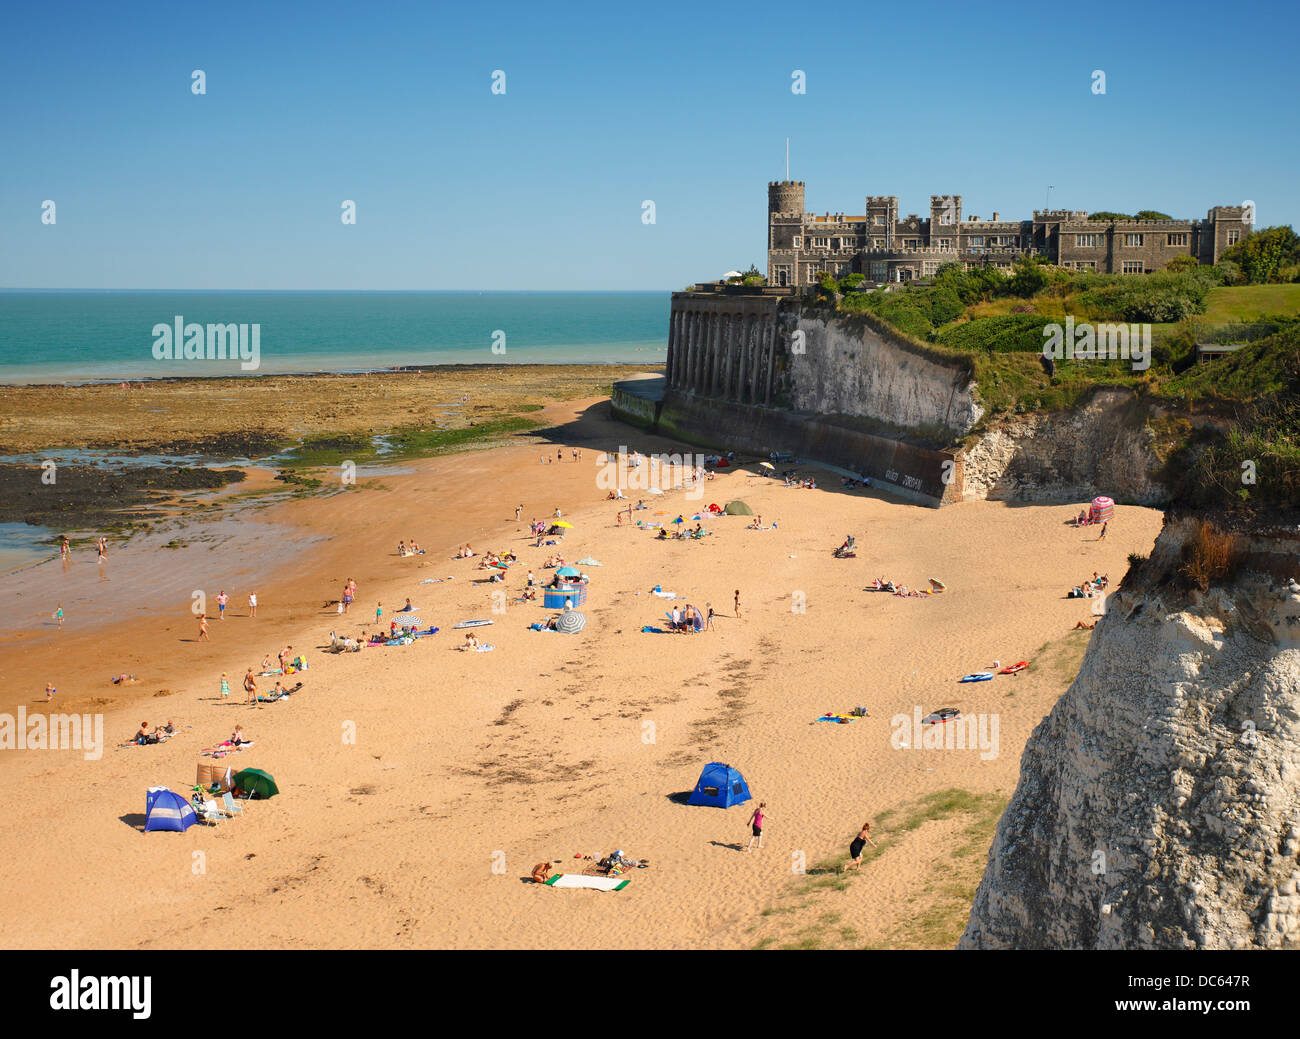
(720,786)
(165,810)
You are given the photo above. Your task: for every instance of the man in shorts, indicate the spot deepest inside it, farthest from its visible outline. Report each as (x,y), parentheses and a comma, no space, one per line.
(855,849)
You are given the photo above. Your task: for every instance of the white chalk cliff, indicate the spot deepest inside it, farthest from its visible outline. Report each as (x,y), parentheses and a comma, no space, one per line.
(1159,803)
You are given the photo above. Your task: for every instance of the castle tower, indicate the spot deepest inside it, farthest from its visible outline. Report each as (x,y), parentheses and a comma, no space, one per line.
(785,198)
(945,217)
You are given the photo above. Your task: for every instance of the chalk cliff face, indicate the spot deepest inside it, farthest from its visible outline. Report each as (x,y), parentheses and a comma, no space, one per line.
(1066,456)
(846,368)
(1159,803)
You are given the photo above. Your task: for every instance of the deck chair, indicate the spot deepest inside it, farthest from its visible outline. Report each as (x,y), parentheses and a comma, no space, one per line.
(232,808)
(208,812)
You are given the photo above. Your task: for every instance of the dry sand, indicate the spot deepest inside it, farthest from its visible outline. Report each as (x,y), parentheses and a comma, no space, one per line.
(468,768)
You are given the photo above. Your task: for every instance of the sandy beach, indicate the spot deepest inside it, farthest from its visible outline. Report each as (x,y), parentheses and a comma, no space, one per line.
(467,768)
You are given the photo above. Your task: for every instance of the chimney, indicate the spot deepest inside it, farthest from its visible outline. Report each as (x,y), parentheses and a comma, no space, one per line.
(995,216)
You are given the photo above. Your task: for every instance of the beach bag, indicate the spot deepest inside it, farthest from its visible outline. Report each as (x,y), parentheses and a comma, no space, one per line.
(340,606)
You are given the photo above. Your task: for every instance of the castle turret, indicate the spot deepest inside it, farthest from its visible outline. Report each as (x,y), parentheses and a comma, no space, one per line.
(785,198)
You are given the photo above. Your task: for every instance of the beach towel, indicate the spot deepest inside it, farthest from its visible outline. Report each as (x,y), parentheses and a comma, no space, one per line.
(653,630)
(841,718)
(579,880)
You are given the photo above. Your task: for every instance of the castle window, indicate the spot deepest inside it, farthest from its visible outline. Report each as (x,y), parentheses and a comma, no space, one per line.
(1085,265)
(1234,237)
(1132,267)
(798,242)
(1086,241)
(821,243)
(976,241)
(877,243)
(1134,241)
(879,271)
(912,243)
(878,220)
(945,243)
(1176,239)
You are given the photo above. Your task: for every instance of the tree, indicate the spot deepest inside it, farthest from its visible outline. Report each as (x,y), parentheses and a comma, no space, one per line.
(1107,215)
(1028,277)
(1151,214)
(1262,255)
(1181,264)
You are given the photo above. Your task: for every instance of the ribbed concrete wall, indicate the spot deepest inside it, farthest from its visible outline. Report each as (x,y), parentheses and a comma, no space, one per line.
(933,477)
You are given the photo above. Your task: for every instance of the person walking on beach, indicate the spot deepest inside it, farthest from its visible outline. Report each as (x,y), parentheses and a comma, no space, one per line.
(203,628)
(222,599)
(101,549)
(379,613)
(225,686)
(252,604)
(58,616)
(250,686)
(49,691)
(65,551)
(519,511)
(756,826)
(1103,530)
(855,849)
(737,606)
(346,598)
(708,624)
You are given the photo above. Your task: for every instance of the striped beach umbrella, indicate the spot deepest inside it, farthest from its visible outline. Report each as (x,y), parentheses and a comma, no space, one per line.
(570,622)
(1103,509)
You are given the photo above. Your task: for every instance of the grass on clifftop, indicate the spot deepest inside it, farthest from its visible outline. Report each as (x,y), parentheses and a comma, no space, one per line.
(809,913)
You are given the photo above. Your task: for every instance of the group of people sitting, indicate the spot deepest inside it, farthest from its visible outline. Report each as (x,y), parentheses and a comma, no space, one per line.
(1090,589)
(403,549)
(464,552)
(681,532)
(162,732)
(685,620)
(758,524)
(849,483)
(795,480)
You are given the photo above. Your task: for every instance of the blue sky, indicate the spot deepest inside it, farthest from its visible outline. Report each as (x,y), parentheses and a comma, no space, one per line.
(606,106)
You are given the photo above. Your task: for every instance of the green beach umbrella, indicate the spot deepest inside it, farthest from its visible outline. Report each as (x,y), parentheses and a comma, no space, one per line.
(255,781)
(738,508)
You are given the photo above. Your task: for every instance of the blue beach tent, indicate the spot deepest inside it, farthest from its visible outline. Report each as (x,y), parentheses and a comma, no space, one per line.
(165,810)
(720,786)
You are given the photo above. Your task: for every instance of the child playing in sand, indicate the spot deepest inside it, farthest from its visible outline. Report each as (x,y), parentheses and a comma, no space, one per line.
(225,686)
(57,615)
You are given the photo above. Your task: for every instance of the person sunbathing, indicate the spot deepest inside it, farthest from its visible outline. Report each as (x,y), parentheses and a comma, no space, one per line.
(1085,627)
(471,641)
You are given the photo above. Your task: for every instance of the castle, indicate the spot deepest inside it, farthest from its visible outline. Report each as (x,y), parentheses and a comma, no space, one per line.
(803,246)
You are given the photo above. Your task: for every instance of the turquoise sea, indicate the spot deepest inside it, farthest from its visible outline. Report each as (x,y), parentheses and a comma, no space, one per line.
(70,336)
